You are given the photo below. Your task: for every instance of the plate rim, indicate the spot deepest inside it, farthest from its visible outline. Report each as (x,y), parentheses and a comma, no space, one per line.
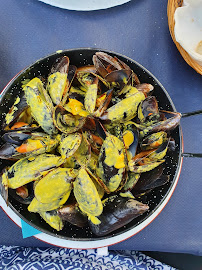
(91,8)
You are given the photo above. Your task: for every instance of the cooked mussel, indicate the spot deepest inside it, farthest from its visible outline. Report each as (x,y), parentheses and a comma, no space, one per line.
(31,144)
(105,63)
(67,122)
(54,185)
(40,104)
(148,110)
(23,194)
(87,196)
(124,110)
(150,180)
(165,125)
(57,81)
(73,215)
(111,167)
(154,140)
(117,212)
(83,153)
(29,169)
(69,144)
(52,218)
(131,139)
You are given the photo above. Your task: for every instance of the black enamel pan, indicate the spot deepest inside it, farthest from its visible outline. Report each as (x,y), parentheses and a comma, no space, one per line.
(72,236)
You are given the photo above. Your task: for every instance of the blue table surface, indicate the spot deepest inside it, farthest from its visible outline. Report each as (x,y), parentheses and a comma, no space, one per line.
(30,30)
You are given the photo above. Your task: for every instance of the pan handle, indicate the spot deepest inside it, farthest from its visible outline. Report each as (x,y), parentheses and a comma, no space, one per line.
(197,155)
(191,113)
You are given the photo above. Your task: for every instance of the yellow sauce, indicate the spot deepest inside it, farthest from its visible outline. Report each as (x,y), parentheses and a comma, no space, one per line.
(112,146)
(70,162)
(36,206)
(120,162)
(93,161)
(76,108)
(127,195)
(64,199)
(114,157)
(125,80)
(100,189)
(77,91)
(128,138)
(94,220)
(140,114)
(82,155)
(129,155)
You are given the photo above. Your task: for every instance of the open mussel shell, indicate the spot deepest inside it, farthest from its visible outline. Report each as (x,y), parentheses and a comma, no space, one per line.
(119,77)
(148,108)
(58,83)
(61,65)
(69,144)
(83,152)
(18,107)
(20,199)
(16,137)
(85,238)
(166,125)
(67,122)
(105,63)
(111,169)
(26,144)
(8,151)
(70,78)
(131,181)
(154,140)
(89,69)
(135,79)
(26,128)
(131,139)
